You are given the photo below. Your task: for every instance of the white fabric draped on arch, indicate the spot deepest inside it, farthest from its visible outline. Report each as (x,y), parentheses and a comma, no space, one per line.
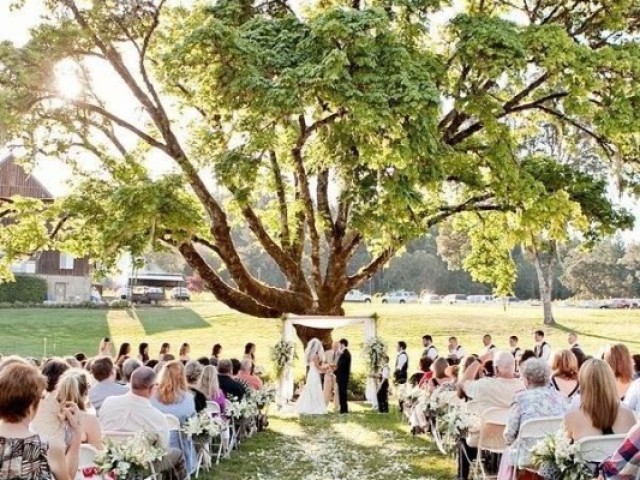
(285,386)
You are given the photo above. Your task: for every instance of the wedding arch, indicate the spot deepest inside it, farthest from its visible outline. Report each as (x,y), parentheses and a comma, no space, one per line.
(286,383)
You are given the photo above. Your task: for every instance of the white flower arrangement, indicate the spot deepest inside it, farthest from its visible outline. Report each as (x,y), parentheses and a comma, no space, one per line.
(441,400)
(245,408)
(282,355)
(458,421)
(129,458)
(374,349)
(204,426)
(265,396)
(556,457)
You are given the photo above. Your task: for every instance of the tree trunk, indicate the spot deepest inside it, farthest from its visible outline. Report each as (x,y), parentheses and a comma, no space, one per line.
(307,333)
(544,269)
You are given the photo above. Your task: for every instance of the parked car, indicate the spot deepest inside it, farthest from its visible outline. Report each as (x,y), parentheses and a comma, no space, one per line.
(454,298)
(357,296)
(181,293)
(618,303)
(150,295)
(480,299)
(400,296)
(430,299)
(507,300)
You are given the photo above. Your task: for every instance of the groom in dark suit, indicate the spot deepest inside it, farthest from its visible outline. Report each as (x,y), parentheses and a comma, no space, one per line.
(343,372)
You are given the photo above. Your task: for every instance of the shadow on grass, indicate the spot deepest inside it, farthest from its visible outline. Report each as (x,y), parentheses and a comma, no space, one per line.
(161,320)
(561,327)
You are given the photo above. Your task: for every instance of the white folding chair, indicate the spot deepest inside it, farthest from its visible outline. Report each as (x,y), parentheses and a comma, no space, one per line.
(117,436)
(491,437)
(213,408)
(598,448)
(535,429)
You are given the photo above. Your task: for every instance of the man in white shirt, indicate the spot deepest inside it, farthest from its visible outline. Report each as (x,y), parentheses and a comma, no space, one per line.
(430,350)
(400,374)
(133,412)
(456,351)
(542,349)
(489,347)
(487,392)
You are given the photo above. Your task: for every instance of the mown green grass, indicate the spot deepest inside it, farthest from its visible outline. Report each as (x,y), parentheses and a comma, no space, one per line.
(203,324)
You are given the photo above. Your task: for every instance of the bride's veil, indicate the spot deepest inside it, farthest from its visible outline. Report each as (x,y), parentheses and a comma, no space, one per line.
(314,347)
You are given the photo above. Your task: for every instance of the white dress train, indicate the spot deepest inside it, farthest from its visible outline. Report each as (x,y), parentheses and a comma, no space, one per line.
(311,401)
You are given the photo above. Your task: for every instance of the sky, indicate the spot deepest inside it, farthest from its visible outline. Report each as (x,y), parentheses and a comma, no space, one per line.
(14,26)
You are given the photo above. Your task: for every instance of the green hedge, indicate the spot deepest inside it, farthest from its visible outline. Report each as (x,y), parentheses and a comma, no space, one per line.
(25,289)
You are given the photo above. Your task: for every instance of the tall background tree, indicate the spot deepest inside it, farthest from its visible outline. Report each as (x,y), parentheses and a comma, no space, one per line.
(348,125)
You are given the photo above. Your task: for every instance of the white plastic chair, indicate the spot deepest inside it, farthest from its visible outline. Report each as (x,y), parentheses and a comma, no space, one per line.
(598,448)
(213,408)
(491,437)
(535,429)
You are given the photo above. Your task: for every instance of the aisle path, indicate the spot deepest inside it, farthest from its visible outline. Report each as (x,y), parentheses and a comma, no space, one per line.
(363,445)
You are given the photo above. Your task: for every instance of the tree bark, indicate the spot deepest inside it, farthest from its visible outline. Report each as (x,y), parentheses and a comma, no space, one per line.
(307,333)
(544,270)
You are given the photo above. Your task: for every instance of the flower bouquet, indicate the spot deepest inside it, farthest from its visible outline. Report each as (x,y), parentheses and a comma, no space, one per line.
(245,408)
(203,427)
(282,354)
(557,458)
(458,421)
(265,396)
(374,349)
(129,459)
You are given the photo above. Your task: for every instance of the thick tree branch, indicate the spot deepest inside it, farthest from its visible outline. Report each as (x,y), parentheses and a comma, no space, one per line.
(322,200)
(230,296)
(285,237)
(368,271)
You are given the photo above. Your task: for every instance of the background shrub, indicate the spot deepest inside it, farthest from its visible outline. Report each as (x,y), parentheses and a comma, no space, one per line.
(25,289)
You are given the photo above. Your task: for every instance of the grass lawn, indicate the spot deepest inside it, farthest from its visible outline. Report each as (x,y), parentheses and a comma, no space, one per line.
(69,331)
(363,445)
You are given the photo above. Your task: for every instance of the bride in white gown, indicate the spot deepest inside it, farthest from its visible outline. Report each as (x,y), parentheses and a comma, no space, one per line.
(311,401)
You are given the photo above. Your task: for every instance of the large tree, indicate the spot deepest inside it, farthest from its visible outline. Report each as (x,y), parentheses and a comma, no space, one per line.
(319,130)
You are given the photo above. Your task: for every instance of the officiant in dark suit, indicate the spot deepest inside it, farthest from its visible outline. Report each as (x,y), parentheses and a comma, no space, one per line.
(343,372)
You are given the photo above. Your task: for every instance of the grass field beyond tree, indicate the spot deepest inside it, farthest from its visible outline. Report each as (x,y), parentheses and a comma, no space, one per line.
(68,331)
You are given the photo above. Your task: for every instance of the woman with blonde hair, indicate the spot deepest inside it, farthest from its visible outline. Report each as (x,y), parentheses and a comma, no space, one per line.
(619,359)
(600,411)
(564,377)
(210,386)
(74,387)
(172,397)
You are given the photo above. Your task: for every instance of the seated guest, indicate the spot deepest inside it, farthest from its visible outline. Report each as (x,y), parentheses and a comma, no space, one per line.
(600,411)
(172,397)
(128,367)
(211,388)
(623,464)
(440,377)
(74,388)
(424,375)
(193,371)
(565,373)
(23,454)
(537,401)
(133,412)
(230,387)
(82,358)
(72,362)
(104,373)
(486,392)
(204,361)
(619,359)
(235,370)
(245,375)
(526,355)
(46,422)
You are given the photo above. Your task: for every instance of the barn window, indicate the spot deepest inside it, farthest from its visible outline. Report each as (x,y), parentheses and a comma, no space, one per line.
(66,261)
